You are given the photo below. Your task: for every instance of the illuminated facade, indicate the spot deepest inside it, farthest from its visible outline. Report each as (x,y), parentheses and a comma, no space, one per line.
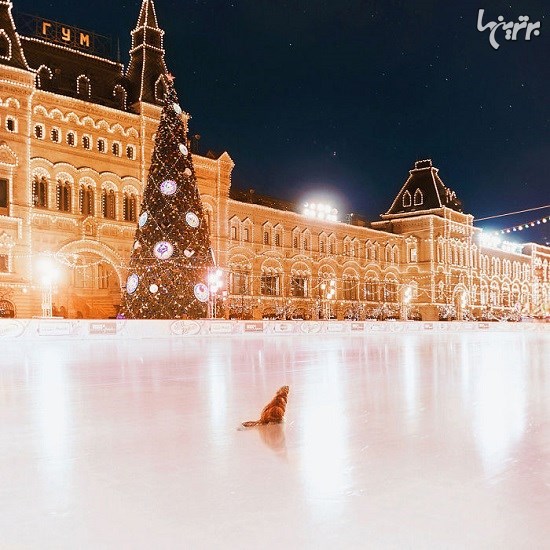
(76,136)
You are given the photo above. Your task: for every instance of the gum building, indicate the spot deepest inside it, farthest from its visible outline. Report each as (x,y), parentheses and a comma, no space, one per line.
(76,137)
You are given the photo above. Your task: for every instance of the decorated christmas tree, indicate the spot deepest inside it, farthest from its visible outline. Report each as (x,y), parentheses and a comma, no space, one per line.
(171,254)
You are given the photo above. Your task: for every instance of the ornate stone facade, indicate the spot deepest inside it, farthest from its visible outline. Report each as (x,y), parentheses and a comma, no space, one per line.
(76,136)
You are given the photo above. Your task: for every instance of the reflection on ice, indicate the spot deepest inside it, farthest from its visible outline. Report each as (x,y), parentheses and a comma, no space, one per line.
(273,436)
(324,429)
(499,408)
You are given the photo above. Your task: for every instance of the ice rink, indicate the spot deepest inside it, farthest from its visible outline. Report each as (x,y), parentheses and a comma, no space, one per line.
(390,441)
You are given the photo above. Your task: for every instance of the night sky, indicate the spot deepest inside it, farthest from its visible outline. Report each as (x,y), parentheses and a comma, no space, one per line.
(342,97)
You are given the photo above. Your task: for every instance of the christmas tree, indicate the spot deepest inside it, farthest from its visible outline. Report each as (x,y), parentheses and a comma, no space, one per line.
(171,255)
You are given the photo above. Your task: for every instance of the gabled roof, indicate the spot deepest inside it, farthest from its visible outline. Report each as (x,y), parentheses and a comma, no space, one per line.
(423,190)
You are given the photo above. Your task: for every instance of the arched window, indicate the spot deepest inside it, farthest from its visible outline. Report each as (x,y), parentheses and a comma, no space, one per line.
(86,143)
(44,78)
(131,152)
(86,200)
(55,135)
(418,198)
(119,93)
(83,86)
(116,149)
(101,145)
(406,199)
(39,131)
(11,124)
(130,207)
(388,254)
(40,192)
(266,237)
(71,138)
(63,196)
(108,204)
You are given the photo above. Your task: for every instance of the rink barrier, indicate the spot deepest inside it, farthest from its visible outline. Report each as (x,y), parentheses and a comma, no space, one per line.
(90,329)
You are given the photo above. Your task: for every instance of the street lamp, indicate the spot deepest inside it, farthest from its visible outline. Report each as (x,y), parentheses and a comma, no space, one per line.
(214,284)
(328,292)
(49,274)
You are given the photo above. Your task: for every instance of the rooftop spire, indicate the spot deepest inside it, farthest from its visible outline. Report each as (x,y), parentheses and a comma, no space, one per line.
(147,15)
(147,68)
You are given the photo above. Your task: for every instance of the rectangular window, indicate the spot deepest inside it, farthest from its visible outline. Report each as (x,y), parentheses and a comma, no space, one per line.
(4,193)
(246,234)
(390,292)
(371,289)
(270,285)
(350,289)
(298,287)
(413,255)
(4,263)
(234,233)
(239,282)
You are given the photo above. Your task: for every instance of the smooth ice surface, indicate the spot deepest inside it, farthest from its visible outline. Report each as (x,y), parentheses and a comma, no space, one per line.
(390,441)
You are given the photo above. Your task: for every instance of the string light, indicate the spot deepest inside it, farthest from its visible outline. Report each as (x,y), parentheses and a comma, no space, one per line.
(522,226)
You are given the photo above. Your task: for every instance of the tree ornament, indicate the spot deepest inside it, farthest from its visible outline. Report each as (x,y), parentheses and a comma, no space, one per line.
(201,292)
(132,283)
(168,187)
(183,150)
(192,219)
(143,219)
(163,250)
(153,289)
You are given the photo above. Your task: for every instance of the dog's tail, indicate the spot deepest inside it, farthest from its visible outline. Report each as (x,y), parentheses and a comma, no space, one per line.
(251,423)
